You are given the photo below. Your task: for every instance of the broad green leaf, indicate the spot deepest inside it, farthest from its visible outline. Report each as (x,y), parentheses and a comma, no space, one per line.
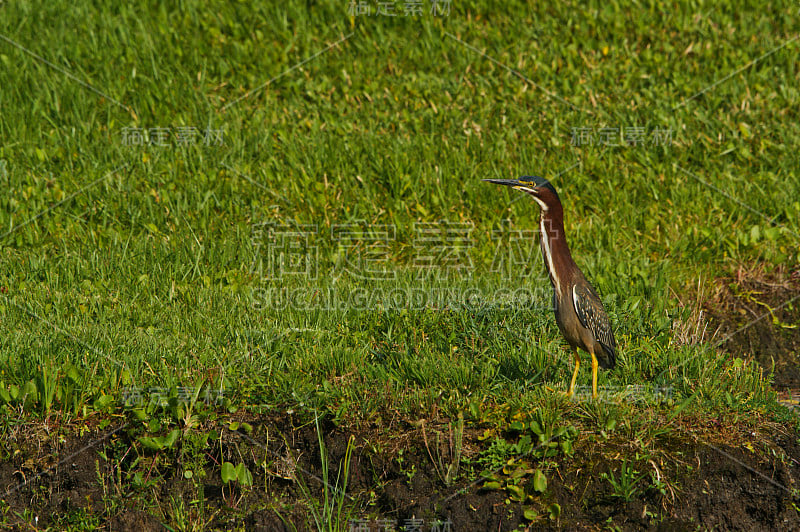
(228,472)
(539,481)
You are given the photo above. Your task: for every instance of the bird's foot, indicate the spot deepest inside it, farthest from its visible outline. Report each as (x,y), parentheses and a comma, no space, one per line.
(569,394)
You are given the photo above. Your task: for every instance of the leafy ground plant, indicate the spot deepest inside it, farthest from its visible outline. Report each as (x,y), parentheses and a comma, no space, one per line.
(627,486)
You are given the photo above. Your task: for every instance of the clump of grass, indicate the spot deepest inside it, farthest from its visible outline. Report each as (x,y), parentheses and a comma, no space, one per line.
(331,512)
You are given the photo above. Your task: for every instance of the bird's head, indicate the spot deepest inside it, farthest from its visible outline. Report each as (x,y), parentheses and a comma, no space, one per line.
(538,187)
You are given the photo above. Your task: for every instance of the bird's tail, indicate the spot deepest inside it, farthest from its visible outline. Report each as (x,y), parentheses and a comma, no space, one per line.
(607,358)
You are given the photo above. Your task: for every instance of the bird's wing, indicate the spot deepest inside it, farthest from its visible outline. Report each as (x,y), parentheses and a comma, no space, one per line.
(593,316)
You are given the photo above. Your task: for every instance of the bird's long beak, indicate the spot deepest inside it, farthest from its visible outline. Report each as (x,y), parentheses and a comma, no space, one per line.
(516,184)
(508,182)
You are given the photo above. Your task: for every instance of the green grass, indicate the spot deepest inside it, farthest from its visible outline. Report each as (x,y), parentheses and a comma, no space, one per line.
(156,275)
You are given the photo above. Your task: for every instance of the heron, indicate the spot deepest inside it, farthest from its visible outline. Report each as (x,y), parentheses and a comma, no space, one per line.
(579,312)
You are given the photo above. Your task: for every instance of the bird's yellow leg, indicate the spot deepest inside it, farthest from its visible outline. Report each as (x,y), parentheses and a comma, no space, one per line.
(571,390)
(594,374)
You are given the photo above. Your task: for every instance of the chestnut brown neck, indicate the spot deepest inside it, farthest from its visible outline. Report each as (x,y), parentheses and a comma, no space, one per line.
(555,251)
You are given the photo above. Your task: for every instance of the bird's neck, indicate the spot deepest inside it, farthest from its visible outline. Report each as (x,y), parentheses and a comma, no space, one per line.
(557,257)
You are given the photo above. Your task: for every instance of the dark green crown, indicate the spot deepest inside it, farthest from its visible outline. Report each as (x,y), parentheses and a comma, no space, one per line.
(539,182)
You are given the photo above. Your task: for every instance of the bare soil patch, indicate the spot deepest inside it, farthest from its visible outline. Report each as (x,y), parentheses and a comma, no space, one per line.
(757,315)
(48,483)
